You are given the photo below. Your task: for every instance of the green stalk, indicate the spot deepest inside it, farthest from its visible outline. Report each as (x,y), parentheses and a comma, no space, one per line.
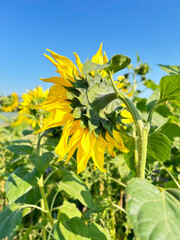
(142,148)
(151,112)
(136,147)
(142,131)
(44,200)
(44,203)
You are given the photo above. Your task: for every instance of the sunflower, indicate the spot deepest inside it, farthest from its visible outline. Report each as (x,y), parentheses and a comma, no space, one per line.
(9,103)
(86,107)
(27,111)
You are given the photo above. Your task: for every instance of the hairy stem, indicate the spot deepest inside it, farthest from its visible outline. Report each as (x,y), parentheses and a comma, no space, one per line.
(142,131)
(142,148)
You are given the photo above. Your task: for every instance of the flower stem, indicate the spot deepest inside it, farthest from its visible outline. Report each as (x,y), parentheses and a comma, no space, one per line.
(44,200)
(142,131)
(142,148)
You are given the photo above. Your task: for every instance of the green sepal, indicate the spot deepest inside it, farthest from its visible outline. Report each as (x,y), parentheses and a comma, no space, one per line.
(77,112)
(93,123)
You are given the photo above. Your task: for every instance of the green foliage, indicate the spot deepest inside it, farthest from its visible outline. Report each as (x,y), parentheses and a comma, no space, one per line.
(171,130)
(76,229)
(151,84)
(45,199)
(74,186)
(42,162)
(115,64)
(10,218)
(152,213)
(159,147)
(20,149)
(170,69)
(169,87)
(20,182)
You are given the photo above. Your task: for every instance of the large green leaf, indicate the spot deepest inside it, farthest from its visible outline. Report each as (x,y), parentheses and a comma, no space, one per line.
(171,130)
(31,197)
(42,162)
(20,149)
(169,87)
(76,229)
(175,192)
(115,64)
(159,147)
(75,187)
(20,182)
(153,214)
(10,218)
(170,69)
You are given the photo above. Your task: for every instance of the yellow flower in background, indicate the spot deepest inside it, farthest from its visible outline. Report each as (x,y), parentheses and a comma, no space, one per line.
(71,104)
(9,103)
(27,111)
(122,84)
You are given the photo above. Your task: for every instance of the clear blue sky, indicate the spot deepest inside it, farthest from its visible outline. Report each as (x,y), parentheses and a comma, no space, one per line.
(28,27)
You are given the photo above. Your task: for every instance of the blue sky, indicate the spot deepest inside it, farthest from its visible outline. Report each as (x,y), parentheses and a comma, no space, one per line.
(28,27)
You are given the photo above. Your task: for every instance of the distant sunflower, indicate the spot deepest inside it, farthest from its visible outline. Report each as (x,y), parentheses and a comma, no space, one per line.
(77,102)
(27,111)
(9,103)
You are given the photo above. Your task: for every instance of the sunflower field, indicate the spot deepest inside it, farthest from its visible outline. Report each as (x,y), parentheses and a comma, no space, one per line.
(92,158)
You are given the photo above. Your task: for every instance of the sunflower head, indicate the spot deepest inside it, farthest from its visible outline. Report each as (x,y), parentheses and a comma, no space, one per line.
(9,103)
(27,112)
(84,102)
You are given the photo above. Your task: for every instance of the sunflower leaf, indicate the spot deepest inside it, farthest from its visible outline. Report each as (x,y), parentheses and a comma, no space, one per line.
(169,88)
(115,64)
(76,229)
(10,219)
(159,147)
(20,149)
(75,187)
(20,182)
(153,214)
(170,69)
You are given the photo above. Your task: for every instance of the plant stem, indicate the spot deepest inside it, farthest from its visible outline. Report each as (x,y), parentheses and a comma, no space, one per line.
(142,148)
(33,206)
(119,182)
(171,175)
(45,203)
(119,207)
(136,147)
(151,112)
(142,131)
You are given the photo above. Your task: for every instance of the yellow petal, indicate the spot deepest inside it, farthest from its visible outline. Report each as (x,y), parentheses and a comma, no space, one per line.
(87,144)
(62,145)
(78,62)
(98,57)
(98,154)
(58,80)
